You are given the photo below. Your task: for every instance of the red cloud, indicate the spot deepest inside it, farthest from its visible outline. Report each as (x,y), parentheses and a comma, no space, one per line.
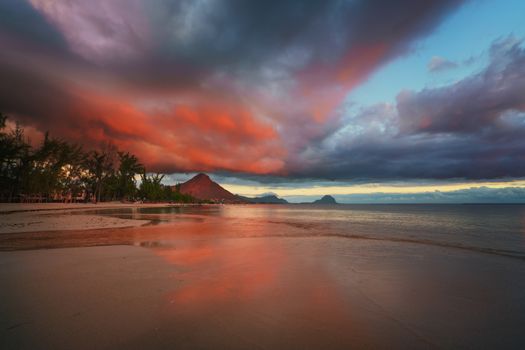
(203,134)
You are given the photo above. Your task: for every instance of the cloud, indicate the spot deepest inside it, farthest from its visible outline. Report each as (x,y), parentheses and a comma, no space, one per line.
(208,136)
(472,104)
(472,129)
(231,85)
(472,195)
(438,64)
(99,30)
(18,19)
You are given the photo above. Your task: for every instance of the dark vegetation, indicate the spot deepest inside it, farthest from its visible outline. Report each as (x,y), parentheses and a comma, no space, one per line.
(57,170)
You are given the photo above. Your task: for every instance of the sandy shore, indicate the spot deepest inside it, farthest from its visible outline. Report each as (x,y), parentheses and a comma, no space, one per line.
(24,207)
(39,217)
(266,293)
(208,279)
(80,298)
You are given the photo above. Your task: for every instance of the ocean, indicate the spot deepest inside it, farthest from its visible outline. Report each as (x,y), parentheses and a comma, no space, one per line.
(488,228)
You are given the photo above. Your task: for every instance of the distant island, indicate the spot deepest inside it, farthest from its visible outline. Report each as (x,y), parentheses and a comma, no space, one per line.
(202,187)
(325,200)
(265,199)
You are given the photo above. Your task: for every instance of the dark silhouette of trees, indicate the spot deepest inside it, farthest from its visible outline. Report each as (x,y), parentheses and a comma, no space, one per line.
(100,168)
(151,187)
(14,159)
(57,170)
(54,170)
(128,169)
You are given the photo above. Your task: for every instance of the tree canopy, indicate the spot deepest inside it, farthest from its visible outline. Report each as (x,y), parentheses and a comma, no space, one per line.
(57,170)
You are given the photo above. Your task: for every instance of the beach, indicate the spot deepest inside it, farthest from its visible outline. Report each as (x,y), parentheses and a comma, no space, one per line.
(275,175)
(200,278)
(38,217)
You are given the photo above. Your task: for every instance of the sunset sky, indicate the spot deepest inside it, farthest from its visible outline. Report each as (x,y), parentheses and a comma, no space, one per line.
(370,101)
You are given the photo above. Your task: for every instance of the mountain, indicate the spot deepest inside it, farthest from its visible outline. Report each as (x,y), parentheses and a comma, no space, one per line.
(269,199)
(202,187)
(325,200)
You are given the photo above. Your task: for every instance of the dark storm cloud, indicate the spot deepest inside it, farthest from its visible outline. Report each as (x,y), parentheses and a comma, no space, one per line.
(18,19)
(235,86)
(473,129)
(181,42)
(472,104)
(237,30)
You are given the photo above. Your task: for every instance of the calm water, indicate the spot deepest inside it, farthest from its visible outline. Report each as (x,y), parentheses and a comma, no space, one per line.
(496,229)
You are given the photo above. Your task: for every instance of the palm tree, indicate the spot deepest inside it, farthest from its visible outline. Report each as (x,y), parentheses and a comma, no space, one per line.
(129,167)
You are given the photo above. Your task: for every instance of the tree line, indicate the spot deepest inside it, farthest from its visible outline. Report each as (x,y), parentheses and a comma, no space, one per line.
(57,170)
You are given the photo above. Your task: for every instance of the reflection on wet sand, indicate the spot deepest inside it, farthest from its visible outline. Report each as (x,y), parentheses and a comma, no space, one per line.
(261,293)
(329,293)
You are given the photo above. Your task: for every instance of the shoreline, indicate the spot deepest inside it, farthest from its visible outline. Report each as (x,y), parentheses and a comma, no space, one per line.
(42,217)
(11,208)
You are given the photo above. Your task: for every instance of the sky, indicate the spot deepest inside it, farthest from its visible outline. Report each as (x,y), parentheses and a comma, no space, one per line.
(369,101)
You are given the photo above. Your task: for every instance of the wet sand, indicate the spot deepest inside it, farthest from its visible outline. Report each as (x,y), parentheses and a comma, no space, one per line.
(24,207)
(40,217)
(207,292)
(251,277)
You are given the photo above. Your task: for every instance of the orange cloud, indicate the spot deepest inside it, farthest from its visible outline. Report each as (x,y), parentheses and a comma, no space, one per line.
(203,134)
